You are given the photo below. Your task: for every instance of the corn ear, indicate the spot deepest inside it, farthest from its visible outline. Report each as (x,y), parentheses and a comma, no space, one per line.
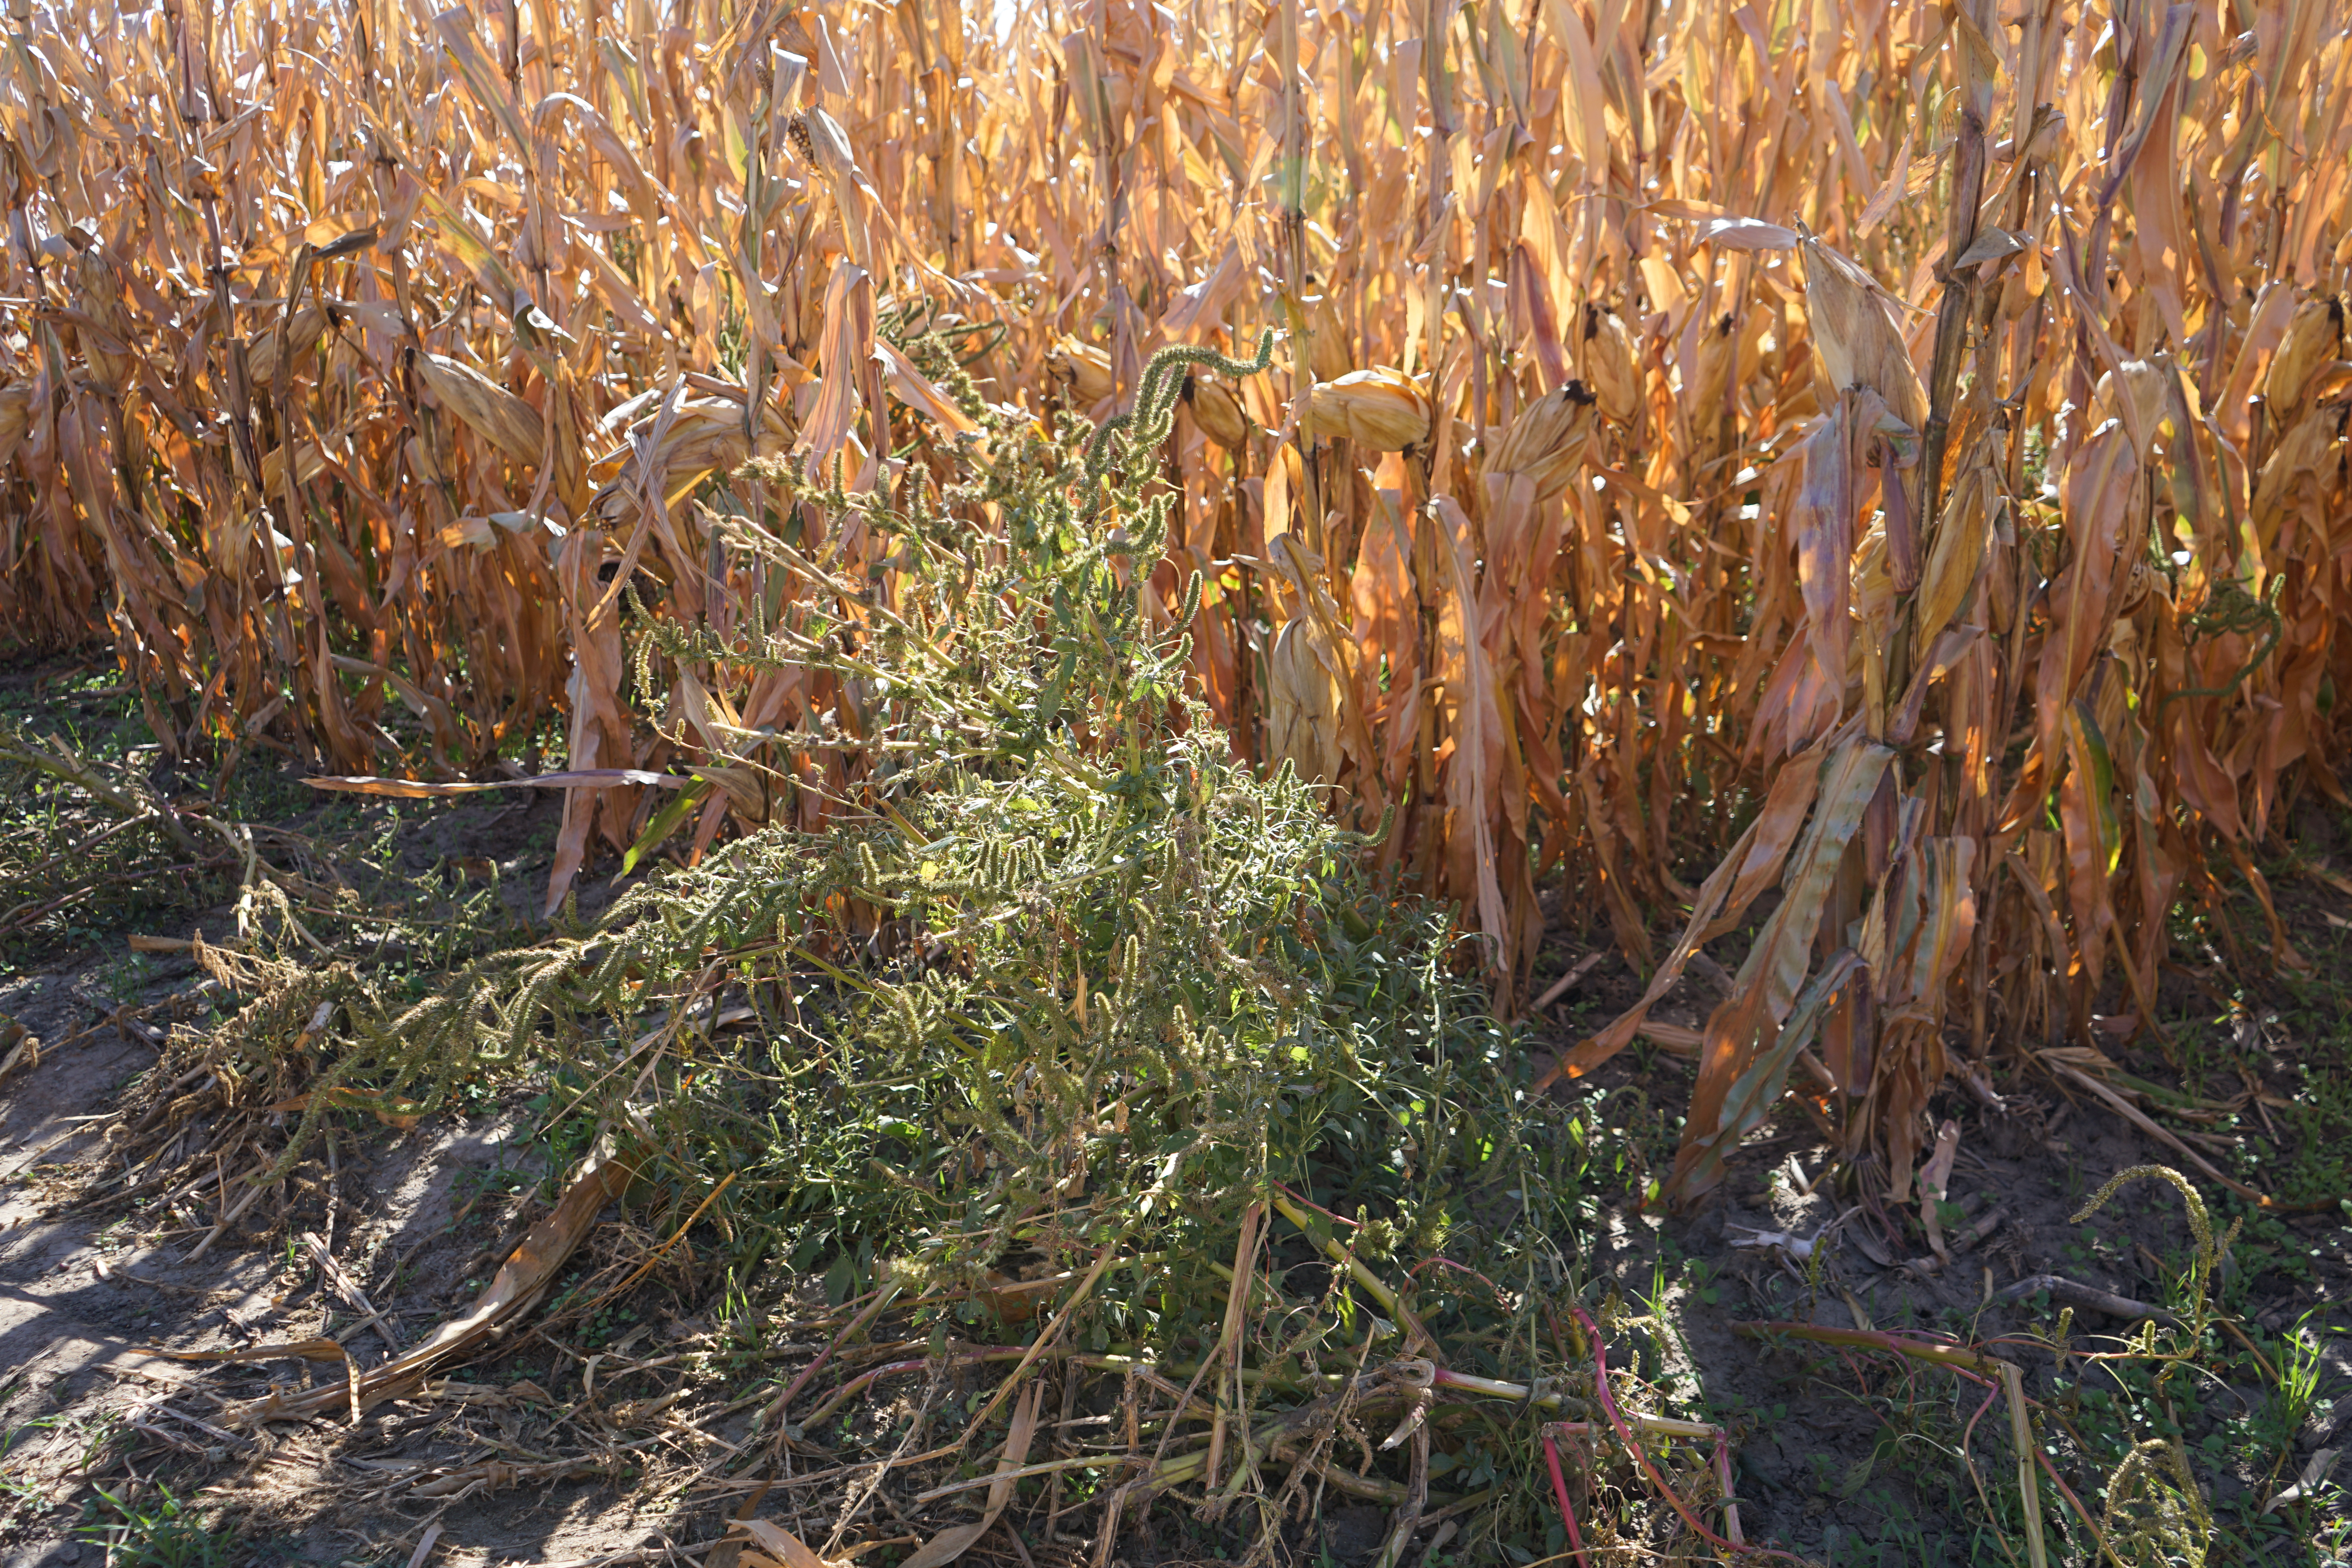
(1547,442)
(1855,331)
(1609,367)
(1382,409)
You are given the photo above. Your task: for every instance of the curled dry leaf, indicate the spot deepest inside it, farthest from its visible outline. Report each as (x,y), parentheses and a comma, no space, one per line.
(780,1546)
(1990,245)
(520,1282)
(19,1048)
(1746,233)
(949,1544)
(490,410)
(2316,1470)
(1752,1035)
(577,778)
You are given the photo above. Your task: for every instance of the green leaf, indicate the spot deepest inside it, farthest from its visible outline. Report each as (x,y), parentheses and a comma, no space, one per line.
(841,1281)
(664,823)
(2091,754)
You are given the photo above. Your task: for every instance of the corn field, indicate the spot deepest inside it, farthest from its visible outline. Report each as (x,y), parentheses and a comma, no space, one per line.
(1894,455)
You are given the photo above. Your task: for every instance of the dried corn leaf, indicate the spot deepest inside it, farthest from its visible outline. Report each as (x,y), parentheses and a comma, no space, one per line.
(487,409)
(1765,991)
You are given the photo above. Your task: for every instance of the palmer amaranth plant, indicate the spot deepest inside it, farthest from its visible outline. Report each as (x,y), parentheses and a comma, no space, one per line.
(1062,982)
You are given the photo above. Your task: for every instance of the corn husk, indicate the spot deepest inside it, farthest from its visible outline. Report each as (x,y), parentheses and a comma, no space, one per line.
(1303,699)
(99,293)
(1719,351)
(309,463)
(310,324)
(1962,539)
(16,416)
(2314,337)
(1857,334)
(1545,443)
(1334,353)
(1082,368)
(1610,369)
(1218,413)
(2136,399)
(1381,409)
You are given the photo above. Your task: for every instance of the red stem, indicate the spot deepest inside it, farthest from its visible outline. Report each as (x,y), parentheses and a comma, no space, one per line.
(1625,1436)
(1460,1269)
(1968,1431)
(2059,1482)
(1560,1490)
(882,1299)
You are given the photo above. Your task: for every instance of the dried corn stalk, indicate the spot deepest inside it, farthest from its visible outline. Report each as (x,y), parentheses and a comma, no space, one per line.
(1886,452)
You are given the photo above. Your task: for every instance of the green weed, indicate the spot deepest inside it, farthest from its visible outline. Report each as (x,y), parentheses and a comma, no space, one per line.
(2301,1366)
(161,1533)
(1056,978)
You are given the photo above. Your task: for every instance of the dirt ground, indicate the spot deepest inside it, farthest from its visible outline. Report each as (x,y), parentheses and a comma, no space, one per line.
(416,1218)
(1841,1456)
(1822,1460)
